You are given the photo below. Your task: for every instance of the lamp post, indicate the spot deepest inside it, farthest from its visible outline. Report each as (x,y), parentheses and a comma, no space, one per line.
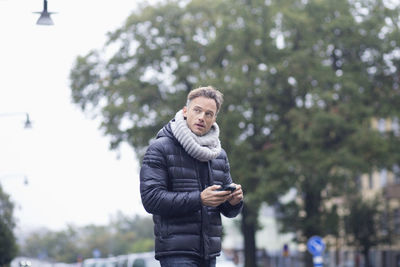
(27,124)
(44,18)
(26,182)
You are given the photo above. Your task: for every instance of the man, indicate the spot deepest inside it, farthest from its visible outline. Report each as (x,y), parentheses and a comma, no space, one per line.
(181,173)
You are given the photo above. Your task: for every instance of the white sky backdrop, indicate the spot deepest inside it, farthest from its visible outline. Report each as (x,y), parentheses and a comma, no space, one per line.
(73,176)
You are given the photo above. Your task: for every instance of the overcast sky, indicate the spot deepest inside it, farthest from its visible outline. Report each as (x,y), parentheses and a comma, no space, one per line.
(72,175)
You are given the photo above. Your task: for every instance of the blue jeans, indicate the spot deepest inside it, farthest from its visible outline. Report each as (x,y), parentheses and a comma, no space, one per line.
(186,261)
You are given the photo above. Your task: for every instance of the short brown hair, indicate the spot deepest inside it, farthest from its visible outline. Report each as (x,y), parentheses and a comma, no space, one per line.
(209,92)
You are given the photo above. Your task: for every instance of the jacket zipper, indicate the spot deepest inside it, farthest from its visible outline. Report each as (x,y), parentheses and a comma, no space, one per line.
(202,249)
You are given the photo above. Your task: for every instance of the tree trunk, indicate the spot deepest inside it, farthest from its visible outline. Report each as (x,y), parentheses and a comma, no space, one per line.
(337,251)
(312,202)
(309,259)
(366,258)
(249,227)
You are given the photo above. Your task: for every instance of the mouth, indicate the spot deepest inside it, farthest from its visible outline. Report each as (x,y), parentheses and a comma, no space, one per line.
(199,125)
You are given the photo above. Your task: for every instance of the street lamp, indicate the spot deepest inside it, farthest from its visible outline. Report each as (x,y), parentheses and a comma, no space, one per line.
(26,182)
(44,18)
(27,124)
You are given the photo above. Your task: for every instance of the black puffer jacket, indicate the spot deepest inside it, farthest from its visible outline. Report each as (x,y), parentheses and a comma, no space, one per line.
(170,186)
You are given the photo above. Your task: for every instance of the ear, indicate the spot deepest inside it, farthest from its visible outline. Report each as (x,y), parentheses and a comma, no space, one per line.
(184,109)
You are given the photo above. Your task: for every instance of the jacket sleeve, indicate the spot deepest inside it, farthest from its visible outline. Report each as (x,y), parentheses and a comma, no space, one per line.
(226,208)
(154,192)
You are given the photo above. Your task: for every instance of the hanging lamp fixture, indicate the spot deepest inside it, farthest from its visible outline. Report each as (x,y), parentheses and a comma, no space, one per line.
(45,18)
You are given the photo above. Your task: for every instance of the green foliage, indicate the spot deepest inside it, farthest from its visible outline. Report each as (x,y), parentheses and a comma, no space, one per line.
(134,234)
(362,224)
(301,79)
(123,235)
(336,73)
(8,245)
(143,245)
(61,246)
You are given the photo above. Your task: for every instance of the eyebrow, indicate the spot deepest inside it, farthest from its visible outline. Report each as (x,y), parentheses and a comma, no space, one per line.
(207,110)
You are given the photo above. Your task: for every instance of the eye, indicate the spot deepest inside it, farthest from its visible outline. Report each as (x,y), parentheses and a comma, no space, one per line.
(197,110)
(209,114)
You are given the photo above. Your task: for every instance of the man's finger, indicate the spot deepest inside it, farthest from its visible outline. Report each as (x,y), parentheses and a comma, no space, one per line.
(214,187)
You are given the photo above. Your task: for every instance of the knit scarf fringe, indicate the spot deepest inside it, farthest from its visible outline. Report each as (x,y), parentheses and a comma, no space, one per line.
(203,148)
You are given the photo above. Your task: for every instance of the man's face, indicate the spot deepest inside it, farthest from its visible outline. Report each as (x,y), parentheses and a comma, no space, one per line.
(200,114)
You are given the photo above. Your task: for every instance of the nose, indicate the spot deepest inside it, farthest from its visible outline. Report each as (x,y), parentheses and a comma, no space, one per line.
(201,116)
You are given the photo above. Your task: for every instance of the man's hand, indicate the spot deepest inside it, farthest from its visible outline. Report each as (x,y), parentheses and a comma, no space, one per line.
(212,198)
(236,195)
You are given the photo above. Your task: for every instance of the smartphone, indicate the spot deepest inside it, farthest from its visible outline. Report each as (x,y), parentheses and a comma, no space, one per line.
(227,187)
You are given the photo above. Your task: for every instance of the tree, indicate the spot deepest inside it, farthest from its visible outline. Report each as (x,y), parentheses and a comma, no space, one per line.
(133,234)
(164,52)
(62,246)
(337,66)
(301,79)
(123,235)
(8,244)
(362,224)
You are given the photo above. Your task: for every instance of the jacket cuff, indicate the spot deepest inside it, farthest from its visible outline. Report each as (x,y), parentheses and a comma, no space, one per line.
(196,196)
(237,206)
(231,211)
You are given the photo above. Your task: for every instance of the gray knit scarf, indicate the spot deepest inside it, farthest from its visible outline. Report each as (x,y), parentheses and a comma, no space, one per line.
(203,148)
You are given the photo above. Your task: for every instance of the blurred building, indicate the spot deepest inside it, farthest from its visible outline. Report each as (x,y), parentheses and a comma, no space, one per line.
(271,244)
(383,184)
(267,238)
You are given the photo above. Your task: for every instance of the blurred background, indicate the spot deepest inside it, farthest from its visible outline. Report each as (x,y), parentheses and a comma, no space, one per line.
(310,123)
